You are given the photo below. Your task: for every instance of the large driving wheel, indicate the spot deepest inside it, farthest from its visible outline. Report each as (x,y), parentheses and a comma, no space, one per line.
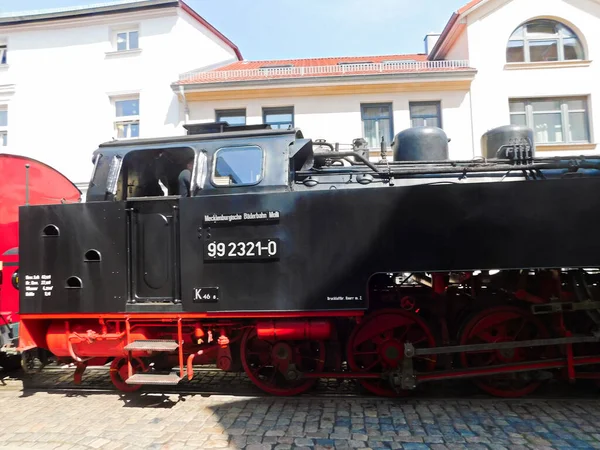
(377,345)
(504,324)
(276,366)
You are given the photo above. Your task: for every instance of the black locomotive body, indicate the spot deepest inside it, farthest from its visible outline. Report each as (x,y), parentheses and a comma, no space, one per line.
(284,244)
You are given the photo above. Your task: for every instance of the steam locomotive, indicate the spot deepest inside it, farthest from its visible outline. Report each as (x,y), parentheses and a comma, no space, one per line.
(295,260)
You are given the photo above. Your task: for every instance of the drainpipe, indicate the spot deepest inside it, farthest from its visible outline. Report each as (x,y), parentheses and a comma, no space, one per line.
(472,125)
(186,110)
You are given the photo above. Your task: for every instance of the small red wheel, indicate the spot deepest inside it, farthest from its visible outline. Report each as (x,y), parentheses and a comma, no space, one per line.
(408,303)
(270,365)
(504,324)
(119,373)
(377,345)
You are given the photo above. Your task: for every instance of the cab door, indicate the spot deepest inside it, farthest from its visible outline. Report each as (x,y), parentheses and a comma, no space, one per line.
(154,251)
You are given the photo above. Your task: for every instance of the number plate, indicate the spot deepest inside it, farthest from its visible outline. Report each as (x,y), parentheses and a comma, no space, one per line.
(256,249)
(206,295)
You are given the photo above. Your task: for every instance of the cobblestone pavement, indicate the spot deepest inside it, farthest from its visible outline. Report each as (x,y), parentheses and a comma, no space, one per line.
(55,420)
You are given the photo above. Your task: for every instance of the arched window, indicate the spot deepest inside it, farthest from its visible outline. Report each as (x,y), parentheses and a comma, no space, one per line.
(543,40)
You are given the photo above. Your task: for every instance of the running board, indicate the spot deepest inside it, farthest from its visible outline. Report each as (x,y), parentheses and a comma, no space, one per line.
(170,379)
(152,345)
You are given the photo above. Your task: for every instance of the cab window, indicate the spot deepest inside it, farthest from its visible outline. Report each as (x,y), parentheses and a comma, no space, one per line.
(101,170)
(238,166)
(157,172)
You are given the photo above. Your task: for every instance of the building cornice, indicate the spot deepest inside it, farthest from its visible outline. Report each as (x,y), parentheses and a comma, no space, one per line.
(547,65)
(326,90)
(331,81)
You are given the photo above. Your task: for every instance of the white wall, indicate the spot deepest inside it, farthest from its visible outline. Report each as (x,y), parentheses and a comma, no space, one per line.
(337,118)
(460,49)
(489,28)
(63,80)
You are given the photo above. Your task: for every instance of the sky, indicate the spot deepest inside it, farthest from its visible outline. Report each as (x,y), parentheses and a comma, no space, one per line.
(286,29)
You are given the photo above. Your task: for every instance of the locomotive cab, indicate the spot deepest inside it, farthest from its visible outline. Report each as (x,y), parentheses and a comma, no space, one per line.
(140,182)
(150,168)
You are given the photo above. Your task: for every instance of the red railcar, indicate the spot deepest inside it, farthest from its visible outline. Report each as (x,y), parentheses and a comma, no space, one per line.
(23,181)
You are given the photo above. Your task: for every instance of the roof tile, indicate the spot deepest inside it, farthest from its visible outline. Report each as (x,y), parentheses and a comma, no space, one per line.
(322,68)
(310,62)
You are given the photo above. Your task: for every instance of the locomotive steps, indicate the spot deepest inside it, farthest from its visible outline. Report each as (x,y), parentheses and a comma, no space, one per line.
(153,345)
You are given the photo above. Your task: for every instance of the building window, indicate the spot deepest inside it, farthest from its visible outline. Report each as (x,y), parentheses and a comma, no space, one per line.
(238,166)
(3,127)
(543,40)
(231,116)
(3,54)
(377,123)
(279,118)
(425,114)
(553,120)
(126,40)
(127,118)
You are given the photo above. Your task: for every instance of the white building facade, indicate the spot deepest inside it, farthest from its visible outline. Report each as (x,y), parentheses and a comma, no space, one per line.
(72,79)
(496,62)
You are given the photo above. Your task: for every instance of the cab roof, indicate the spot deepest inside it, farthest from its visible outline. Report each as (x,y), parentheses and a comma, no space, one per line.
(201,137)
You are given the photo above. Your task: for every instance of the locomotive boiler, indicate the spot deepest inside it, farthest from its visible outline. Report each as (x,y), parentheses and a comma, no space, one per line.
(291,259)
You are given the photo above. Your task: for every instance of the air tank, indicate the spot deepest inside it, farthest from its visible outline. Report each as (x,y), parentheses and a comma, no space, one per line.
(420,144)
(493,140)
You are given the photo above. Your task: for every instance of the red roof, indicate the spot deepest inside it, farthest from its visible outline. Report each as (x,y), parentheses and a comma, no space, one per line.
(327,67)
(322,67)
(310,62)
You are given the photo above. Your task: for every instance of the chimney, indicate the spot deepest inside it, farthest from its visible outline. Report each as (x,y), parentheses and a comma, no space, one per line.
(430,41)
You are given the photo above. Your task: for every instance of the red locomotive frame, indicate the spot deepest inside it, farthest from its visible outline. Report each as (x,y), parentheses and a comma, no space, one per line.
(389,351)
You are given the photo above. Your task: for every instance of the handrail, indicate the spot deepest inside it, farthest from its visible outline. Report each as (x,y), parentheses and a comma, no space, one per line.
(327,70)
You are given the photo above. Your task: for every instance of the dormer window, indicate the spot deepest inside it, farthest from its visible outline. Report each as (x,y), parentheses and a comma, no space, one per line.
(357,63)
(400,61)
(543,40)
(277,66)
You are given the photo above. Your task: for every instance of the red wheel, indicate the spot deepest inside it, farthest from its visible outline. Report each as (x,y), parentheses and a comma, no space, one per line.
(119,373)
(377,345)
(504,324)
(272,366)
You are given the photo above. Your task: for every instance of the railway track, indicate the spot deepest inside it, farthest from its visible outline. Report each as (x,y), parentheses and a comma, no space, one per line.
(207,381)
(210,381)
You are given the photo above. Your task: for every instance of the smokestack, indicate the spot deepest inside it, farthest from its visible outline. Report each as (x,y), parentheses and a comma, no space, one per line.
(430,41)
